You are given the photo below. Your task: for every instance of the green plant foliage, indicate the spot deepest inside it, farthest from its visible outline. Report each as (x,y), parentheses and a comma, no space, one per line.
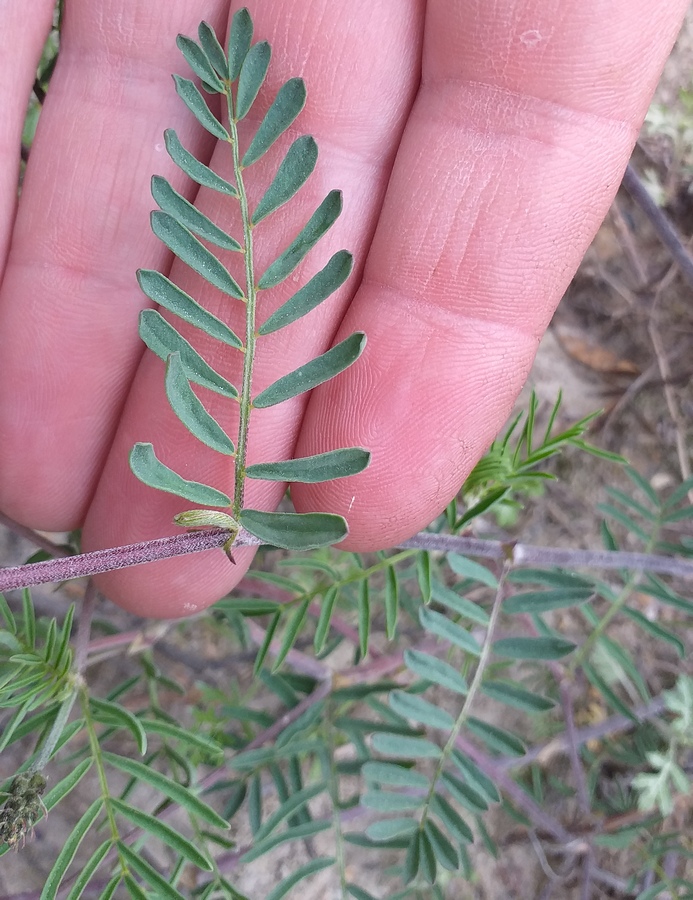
(237,77)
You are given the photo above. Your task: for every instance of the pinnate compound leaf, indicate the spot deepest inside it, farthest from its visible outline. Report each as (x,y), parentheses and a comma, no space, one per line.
(495,738)
(288,103)
(293,172)
(195,102)
(312,294)
(189,409)
(213,49)
(390,828)
(148,873)
(313,373)
(109,713)
(155,474)
(319,224)
(445,853)
(163,832)
(438,624)
(543,601)
(435,670)
(167,294)
(88,870)
(197,59)
(193,168)
(415,708)
(519,698)
(402,747)
(187,248)
(398,776)
(171,789)
(295,531)
(304,871)
(70,847)
(312,469)
(163,340)
(251,77)
(173,203)
(533,647)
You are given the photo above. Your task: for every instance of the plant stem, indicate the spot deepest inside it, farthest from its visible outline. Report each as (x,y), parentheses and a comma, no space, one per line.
(245,399)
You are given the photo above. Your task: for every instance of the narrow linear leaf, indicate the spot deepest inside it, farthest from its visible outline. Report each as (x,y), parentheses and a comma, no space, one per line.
(109,713)
(251,77)
(391,603)
(8,615)
(288,103)
(612,699)
(267,642)
(213,50)
(163,339)
(240,36)
(468,568)
(543,601)
(435,670)
(304,871)
(415,708)
(29,619)
(195,102)
(163,832)
(402,747)
(187,248)
(247,606)
(287,808)
(439,625)
(312,294)
(189,409)
(88,870)
(155,474)
(412,860)
(313,373)
(291,633)
(319,224)
(70,847)
(193,168)
(173,203)
(167,294)
(148,873)
(519,698)
(550,578)
(248,760)
(423,575)
(465,795)
(313,469)
(392,774)
(476,778)
(453,601)
(63,787)
(293,172)
(295,531)
(387,829)
(322,629)
(171,789)
(255,804)
(427,858)
(496,738)
(452,820)
(297,833)
(358,892)
(533,647)
(193,739)
(197,59)
(656,630)
(135,891)
(445,853)
(388,801)
(364,617)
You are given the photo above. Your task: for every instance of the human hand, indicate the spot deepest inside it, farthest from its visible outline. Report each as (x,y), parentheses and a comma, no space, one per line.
(477,152)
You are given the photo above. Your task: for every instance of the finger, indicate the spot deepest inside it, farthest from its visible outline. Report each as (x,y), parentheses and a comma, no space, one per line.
(69,301)
(514,149)
(360,87)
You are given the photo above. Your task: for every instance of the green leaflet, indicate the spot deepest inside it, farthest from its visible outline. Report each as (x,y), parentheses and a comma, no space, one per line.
(403,747)
(70,847)
(190,410)
(319,224)
(288,103)
(193,168)
(187,248)
(495,738)
(148,873)
(155,474)
(518,697)
(163,339)
(171,202)
(195,102)
(251,76)
(397,776)
(212,49)
(389,801)
(533,648)
(313,469)
(414,707)
(389,828)
(444,628)
(435,670)
(294,531)
(199,63)
(291,175)
(312,294)
(240,36)
(167,294)
(304,871)
(313,373)
(543,601)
